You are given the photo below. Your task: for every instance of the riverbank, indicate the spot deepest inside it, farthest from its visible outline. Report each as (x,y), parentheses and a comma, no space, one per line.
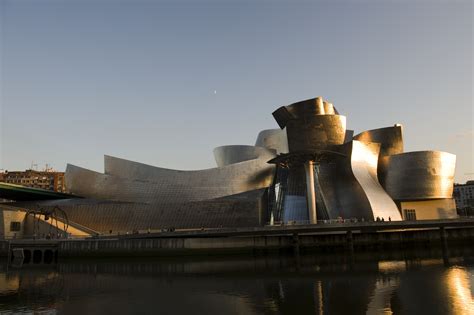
(368,236)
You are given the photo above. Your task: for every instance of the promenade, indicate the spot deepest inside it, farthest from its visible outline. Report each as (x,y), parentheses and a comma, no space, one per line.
(347,236)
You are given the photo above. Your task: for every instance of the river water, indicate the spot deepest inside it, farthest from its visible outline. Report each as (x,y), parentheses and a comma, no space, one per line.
(401,282)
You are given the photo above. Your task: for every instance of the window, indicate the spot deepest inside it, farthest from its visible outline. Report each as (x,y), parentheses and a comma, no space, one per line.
(15,226)
(410,214)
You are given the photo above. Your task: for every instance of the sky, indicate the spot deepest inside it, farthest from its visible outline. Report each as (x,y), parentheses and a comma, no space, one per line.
(164,82)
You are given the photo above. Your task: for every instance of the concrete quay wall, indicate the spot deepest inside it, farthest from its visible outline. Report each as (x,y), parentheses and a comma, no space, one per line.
(257,244)
(4,248)
(169,246)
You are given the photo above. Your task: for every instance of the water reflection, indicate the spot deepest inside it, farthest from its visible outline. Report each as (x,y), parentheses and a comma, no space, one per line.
(387,283)
(459,283)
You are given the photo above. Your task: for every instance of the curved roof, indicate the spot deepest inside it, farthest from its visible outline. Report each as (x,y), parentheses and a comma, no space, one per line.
(390,138)
(273,139)
(136,182)
(232,154)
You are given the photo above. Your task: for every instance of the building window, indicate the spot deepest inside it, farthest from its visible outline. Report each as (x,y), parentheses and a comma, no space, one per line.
(410,214)
(15,226)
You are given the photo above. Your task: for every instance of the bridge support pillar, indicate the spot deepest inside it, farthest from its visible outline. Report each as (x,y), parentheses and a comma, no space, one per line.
(310,192)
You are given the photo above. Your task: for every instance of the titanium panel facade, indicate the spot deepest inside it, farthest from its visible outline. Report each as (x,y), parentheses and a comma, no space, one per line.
(350,188)
(209,183)
(241,210)
(346,186)
(273,139)
(320,164)
(391,141)
(316,132)
(135,196)
(420,175)
(232,154)
(364,160)
(309,127)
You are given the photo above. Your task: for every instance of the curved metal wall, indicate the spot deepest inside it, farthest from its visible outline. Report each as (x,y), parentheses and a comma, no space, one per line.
(391,141)
(364,160)
(341,193)
(309,127)
(349,186)
(232,154)
(273,139)
(309,107)
(316,132)
(420,175)
(132,196)
(241,210)
(135,182)
(230,179)
(349,135)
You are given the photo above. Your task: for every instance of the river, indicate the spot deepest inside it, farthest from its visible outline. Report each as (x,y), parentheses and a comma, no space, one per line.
(401,282)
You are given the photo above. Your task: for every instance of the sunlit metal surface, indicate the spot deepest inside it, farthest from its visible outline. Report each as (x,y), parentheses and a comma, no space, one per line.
(316,132)
(420,175)
(364,159)
(211,183)
(136,182)
(308,125)
(328,108)
(231,154)
(309,107)
(273,139)
(340,192)
(312,126)
(346,186)
(133,195)
(391,141)
(350,188)
(363,176)
(310,192)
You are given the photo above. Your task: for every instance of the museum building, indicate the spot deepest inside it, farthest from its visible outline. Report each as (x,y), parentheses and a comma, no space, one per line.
(310,170)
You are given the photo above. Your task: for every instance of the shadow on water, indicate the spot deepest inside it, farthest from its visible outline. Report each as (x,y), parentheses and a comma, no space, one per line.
(399,282)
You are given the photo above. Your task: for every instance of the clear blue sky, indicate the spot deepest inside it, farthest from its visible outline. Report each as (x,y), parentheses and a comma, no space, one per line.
(136,79)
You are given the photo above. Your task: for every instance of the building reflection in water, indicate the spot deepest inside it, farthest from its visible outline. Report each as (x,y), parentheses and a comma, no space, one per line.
(459,285)
(331,284)
(9,283)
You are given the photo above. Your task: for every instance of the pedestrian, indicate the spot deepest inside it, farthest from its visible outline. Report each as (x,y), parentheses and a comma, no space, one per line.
(383,220)
(389,219)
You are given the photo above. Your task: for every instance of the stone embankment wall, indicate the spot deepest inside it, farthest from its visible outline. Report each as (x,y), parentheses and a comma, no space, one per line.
(255,244)
(222,245)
